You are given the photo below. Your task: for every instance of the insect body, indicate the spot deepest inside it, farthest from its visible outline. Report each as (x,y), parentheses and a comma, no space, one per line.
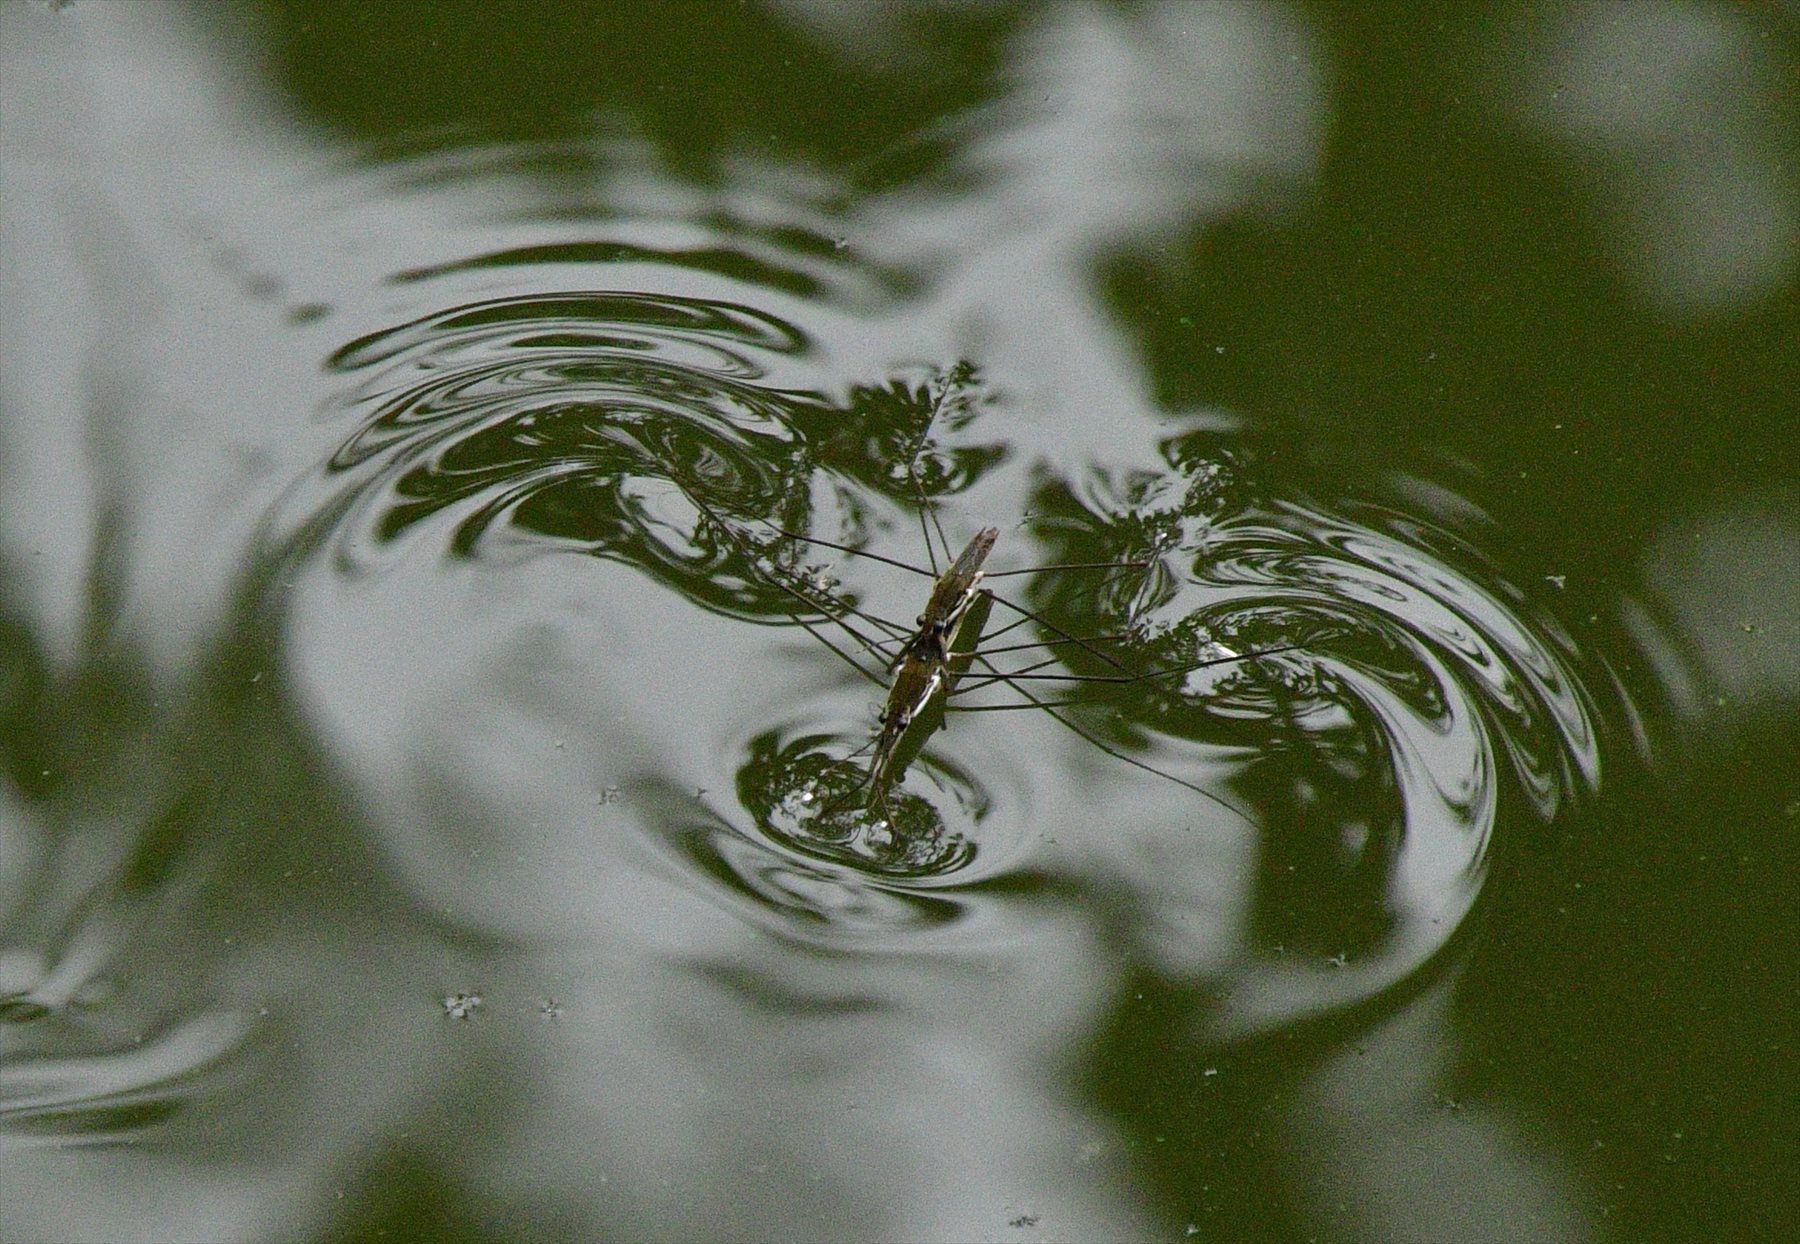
(926,664)
(951,596)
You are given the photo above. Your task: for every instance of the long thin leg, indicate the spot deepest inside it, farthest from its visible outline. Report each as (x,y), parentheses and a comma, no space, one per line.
(1029,674)
(805,597)
(1114,752)
(896,563)
(1002,574)
(1057,631)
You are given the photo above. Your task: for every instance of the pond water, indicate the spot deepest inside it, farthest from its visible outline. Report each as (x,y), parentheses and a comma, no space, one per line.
(457,461)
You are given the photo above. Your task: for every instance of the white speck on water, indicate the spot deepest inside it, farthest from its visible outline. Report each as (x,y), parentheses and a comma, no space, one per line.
(462,1005)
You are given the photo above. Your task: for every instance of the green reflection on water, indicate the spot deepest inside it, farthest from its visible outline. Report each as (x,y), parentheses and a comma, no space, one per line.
(1442,297)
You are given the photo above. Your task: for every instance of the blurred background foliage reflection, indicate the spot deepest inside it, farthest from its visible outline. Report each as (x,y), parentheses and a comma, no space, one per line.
(369,370)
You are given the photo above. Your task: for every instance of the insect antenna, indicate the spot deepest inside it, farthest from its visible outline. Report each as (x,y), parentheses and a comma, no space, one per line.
(926,509)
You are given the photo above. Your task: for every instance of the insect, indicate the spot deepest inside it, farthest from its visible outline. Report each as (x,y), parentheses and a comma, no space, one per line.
(942,661)
(924,666)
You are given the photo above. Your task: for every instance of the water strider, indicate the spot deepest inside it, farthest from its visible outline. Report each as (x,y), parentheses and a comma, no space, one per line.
(930,663)
(922,669)
(924,666)
(927,664)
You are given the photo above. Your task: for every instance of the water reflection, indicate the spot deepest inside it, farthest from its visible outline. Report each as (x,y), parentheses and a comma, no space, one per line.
(807,801)
(1358,676)
(571,420)
(642,429)
(1379,751)
(532,713)
(116,1096)
(1672,111)
(812,901)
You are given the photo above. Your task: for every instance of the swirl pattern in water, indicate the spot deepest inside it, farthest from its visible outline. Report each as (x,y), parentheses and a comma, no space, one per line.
(84,1061)
(645,430)
(1353,684)
(1405,694)
(564,420)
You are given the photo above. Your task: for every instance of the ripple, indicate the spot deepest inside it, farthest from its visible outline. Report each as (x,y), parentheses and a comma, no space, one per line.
(86,1058)
(609,423)
(648,430)
(1359,684)
(1433,649)
(110,1095)
(1407,695)
(809,797)
(844,878)
(810,899)
(709,335)
(641,428)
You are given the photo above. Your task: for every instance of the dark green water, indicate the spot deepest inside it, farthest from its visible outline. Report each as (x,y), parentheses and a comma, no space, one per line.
(412,748)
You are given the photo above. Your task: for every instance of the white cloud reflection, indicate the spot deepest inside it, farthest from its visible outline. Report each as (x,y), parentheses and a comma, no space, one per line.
(1681,118)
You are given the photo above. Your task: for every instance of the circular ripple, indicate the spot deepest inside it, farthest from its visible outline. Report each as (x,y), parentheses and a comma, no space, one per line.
(634,427)
(808,797)
(1365,618)
(814,899)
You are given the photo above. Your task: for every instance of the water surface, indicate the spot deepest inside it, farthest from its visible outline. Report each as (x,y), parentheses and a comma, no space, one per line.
(429,438)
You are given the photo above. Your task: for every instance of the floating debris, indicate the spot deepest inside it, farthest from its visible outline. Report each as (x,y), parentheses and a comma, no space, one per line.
(462,1005)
